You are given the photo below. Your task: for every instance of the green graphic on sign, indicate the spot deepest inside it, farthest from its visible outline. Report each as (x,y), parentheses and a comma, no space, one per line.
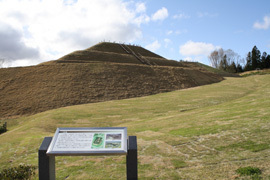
(98,141)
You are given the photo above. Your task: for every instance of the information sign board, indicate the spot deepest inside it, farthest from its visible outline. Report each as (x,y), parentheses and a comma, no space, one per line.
(89,141)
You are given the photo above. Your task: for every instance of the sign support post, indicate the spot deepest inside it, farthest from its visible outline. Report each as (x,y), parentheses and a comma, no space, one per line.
(46,164)
(132,159)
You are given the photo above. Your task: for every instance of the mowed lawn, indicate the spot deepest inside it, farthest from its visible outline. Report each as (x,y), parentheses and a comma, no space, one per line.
(206,132)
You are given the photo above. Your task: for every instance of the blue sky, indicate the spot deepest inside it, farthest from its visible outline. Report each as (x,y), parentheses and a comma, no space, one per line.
(34,31)
(226,24)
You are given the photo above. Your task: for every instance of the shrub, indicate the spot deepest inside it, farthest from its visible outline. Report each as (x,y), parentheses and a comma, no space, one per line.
(248,171)
(21,172)
(3,128)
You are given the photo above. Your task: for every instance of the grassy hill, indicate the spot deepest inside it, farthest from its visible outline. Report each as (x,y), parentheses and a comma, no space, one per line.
(255,72)
(206,132)
(101,73)
(117,53)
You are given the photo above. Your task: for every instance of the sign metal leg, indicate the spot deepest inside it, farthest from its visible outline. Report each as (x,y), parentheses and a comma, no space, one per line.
(46,164)
(132,159)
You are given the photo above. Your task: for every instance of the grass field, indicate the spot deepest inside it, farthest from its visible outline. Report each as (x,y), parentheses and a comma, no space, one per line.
(255,72)
(207,132)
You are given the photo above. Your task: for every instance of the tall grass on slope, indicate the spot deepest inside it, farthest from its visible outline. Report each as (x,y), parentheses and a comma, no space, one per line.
(206,132)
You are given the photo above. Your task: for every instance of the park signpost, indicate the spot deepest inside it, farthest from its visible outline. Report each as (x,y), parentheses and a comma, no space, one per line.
(87,142)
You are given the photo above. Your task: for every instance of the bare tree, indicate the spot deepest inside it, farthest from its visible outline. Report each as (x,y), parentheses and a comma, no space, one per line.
(221,59)
(216,57)
(232,56)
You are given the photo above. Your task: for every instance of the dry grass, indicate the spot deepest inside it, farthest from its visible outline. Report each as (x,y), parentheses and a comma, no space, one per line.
(206,132)
(113,52)
(255,72)
(30,90)
(100,73)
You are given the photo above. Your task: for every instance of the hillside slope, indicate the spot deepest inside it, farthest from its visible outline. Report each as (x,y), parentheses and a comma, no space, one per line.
(28,90)
(106,71)
(206,133)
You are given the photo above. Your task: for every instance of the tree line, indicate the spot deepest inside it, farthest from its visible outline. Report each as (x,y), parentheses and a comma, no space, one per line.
(230,61)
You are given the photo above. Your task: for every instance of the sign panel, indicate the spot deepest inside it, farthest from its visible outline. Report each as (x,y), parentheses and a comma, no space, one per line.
(89,141)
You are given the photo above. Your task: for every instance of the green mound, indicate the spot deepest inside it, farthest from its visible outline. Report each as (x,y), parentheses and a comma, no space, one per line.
(35,89)
(117,53)
(117,48)
(106,71)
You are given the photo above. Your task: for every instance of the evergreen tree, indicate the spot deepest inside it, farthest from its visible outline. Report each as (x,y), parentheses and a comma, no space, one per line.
(239,68)
(248,65)
(267,64)
(223,65)
(263,60)
(232,68)
(255,58)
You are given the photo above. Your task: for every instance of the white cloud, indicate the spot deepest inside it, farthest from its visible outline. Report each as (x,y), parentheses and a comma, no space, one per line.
(194,59)
(206,14)
(142,19)
(140,8)
(161,14)
(53,28)
(167,42)
(21,62)
(196,51)
(11,41)
(169,32)
(177,32)
(264,25)
(188,59)
(70,2)
(153,46)
(181,16)
(191,48)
